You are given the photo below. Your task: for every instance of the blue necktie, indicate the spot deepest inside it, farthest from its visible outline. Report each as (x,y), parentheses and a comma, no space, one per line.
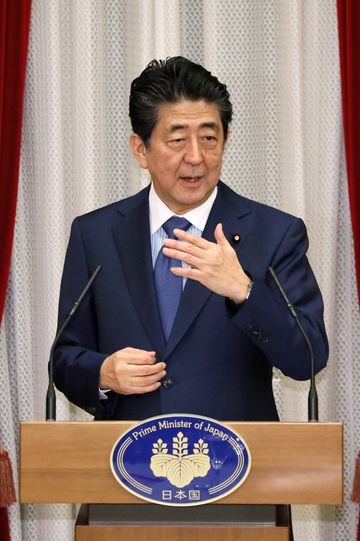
(168,286)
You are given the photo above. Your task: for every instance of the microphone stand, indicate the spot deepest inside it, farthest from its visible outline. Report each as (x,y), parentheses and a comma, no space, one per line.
(50,395)
(313,413)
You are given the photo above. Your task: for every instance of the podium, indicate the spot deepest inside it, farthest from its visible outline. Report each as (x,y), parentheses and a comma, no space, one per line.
(292,463)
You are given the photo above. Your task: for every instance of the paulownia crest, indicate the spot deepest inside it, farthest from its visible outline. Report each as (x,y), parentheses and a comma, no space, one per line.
(180,468)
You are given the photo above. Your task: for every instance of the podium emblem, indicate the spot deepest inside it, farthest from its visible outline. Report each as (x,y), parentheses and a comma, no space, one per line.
(180,460)
(180,468)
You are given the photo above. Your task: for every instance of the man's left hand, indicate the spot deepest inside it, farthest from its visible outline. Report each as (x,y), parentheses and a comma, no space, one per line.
(214,265)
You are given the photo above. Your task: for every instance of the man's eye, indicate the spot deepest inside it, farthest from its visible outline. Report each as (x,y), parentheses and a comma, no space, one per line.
(177,141)
(209,138)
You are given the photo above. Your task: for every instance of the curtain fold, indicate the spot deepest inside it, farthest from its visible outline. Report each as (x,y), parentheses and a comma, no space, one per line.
(4,525)
(349,48)
(349,45)
(14,36)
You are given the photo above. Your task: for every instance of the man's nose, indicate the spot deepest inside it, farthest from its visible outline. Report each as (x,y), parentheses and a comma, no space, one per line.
(193,154)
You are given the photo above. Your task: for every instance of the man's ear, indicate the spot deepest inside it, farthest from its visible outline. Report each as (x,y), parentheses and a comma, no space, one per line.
(138,148)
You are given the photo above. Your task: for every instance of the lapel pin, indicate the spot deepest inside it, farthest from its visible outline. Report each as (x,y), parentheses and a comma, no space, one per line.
(235,237)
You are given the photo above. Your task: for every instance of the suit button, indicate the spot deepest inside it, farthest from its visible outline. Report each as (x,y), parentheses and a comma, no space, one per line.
(248,327)
(167,383)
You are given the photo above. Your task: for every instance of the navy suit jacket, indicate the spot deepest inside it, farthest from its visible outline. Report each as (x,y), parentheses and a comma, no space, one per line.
(220,360)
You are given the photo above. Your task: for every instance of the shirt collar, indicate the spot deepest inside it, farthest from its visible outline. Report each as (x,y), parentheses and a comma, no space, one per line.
(160,213)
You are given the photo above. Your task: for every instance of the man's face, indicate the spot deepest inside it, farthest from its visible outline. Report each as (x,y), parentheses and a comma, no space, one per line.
(185,153)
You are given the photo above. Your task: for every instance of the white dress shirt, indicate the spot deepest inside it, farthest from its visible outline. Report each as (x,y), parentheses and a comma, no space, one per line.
(160,213)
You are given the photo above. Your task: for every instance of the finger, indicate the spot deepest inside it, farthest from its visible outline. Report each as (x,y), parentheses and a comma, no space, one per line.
(192,239)
(127,381)
(137,370)
(137,351)
(136,356)
(182,246)
(143,384)
(189,259)
(145,381)
(183,272)
(219,236)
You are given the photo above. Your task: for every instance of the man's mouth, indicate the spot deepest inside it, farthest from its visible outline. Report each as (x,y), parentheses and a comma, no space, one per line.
(191,179)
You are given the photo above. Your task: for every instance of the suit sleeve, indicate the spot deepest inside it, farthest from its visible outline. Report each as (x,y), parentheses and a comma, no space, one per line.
(77,359)
(266,319)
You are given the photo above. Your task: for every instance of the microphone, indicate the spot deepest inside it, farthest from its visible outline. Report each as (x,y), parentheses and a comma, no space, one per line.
(50,395)
(313,415)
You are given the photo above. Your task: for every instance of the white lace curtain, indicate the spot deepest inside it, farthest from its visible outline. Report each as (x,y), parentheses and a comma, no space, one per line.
(279,59)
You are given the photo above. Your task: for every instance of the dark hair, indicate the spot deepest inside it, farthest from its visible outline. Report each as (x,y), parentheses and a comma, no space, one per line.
(170,81)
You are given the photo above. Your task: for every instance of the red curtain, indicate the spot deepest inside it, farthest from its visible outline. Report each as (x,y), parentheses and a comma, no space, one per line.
(14,34)
(349,42)
(4,525)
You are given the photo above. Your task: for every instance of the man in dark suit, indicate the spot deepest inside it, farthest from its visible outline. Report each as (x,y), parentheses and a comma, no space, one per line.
(124,356)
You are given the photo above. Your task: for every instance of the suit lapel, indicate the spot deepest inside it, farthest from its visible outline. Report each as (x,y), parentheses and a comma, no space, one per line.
(132,238)
(229,211)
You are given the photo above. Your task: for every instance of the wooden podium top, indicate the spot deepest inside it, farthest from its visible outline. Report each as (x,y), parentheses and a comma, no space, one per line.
(292,463)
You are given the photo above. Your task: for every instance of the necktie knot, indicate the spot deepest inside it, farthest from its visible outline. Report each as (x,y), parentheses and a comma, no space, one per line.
(175,222)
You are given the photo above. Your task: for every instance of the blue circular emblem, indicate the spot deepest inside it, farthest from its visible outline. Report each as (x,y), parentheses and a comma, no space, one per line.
(180,460)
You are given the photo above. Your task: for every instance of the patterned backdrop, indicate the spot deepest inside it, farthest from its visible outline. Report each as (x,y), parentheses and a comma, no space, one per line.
(279,59)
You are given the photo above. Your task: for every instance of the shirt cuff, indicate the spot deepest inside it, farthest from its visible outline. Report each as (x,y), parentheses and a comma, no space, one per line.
(103,393)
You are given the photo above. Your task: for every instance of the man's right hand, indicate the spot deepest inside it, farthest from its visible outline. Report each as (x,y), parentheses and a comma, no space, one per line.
(131,371)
